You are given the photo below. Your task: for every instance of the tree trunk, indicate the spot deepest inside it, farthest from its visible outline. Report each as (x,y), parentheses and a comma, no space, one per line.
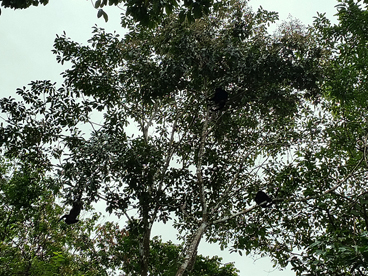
(144,252)
(144,245)
(191,252)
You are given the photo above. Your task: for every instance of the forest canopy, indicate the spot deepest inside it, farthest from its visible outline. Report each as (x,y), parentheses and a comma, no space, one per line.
(187,122)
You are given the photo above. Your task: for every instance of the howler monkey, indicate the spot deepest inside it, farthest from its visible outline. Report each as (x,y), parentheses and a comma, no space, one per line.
(263,200)
(219,98)
(74,212)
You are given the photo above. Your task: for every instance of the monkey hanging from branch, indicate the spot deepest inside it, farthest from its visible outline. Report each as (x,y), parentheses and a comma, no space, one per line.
(71,218)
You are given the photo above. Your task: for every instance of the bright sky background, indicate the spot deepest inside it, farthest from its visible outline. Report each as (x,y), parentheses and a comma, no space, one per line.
(26,40)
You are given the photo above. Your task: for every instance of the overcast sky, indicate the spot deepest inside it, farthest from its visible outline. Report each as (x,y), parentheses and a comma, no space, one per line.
(26,39)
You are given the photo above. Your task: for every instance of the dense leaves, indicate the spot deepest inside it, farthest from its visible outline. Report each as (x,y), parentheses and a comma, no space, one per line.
(132,127)
(22,4)
(146,13)
(31,240)
(340,249)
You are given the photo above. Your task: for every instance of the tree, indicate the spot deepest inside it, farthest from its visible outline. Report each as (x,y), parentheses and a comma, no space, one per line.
(198,167)
(32,241)
(340,249)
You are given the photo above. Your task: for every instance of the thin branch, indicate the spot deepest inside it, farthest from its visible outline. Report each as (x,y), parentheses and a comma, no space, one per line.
(124,212)
(290,200)
(170,154)
(233,181)
(242,212)
(199,164)
(339,183)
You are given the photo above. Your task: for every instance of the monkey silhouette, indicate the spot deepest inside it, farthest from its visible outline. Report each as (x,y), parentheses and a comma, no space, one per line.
(219,98)
(71,218)
(263,200)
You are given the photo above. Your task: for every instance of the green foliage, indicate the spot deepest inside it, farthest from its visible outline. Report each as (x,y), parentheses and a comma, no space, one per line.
(347,71)
(166,258)
(340,210)
(31,241)
(22,4)
(337,255)
(146,13)
(158,153)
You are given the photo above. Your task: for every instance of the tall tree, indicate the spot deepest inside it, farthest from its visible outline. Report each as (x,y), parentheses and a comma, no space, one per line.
(198,166)
(340,248)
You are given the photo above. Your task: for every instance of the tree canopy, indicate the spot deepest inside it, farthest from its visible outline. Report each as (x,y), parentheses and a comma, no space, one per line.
(132,126)
(33,242)
(146,13)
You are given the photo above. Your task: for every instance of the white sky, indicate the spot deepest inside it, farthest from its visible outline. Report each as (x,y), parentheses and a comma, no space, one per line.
(26,39)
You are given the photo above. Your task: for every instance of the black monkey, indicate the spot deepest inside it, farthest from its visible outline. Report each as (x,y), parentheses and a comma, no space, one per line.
(263,200)
(219,98)
(74,212)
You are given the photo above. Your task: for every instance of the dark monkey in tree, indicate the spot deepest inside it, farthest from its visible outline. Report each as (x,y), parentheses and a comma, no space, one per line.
(263,200)
(219,98)
(74,212)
